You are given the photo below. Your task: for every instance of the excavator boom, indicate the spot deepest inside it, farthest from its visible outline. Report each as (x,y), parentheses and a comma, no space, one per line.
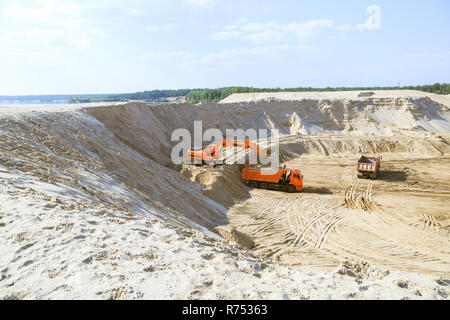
(213,152)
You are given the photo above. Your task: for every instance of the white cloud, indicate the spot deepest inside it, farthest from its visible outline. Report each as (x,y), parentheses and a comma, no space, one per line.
(430,55)
(187,60)
(241,21)
(226,35)
(272,31)
(134,12)
(373,22)
(48,22)
(202,3)
(181,55)
(345,27)
(33,59)
(162,27)
(228,57)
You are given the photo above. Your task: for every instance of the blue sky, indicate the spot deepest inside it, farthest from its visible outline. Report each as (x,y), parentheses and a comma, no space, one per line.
(112,46)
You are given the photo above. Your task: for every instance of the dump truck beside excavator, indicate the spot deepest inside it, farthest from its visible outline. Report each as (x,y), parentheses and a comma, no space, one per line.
(282,178)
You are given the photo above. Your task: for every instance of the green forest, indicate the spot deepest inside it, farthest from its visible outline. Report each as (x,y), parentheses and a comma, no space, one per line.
(154,96)
(214,95)
(203,95)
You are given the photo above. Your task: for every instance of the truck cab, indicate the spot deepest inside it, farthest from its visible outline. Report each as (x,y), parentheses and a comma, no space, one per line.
(296,179)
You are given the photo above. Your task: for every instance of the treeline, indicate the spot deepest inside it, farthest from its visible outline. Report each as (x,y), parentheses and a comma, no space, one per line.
(147,96)
(204,95)
(439,88)
(214,95)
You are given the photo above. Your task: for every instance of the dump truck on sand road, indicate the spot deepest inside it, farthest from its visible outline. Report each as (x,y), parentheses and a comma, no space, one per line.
(369,166)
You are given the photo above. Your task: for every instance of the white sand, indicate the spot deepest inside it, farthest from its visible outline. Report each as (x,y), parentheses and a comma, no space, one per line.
(295,96)
(53,108)
(56,246)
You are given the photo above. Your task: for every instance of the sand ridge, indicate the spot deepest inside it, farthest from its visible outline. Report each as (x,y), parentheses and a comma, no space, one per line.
(344,95)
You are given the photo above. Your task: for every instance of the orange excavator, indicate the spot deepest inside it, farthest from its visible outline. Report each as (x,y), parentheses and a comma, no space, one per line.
(214,152)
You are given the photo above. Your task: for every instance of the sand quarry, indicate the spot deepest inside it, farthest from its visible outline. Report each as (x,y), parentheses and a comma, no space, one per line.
(91,206)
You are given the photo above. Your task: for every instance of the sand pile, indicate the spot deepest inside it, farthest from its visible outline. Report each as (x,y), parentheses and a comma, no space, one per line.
(222,184)
(75,150)
(361,271)
(231,233)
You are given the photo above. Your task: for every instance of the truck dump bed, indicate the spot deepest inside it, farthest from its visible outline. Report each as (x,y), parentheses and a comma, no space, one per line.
(262,174)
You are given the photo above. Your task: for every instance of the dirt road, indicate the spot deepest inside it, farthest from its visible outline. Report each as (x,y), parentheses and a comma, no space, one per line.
(400,221)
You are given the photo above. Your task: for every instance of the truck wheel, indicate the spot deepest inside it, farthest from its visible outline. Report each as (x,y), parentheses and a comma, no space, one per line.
(290,189)
(263,185)
(252,184)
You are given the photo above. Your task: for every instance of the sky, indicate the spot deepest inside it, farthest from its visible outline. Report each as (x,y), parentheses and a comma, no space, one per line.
(114,46)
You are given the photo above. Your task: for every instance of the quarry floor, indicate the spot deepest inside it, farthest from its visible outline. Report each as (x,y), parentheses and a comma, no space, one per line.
(400,221)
